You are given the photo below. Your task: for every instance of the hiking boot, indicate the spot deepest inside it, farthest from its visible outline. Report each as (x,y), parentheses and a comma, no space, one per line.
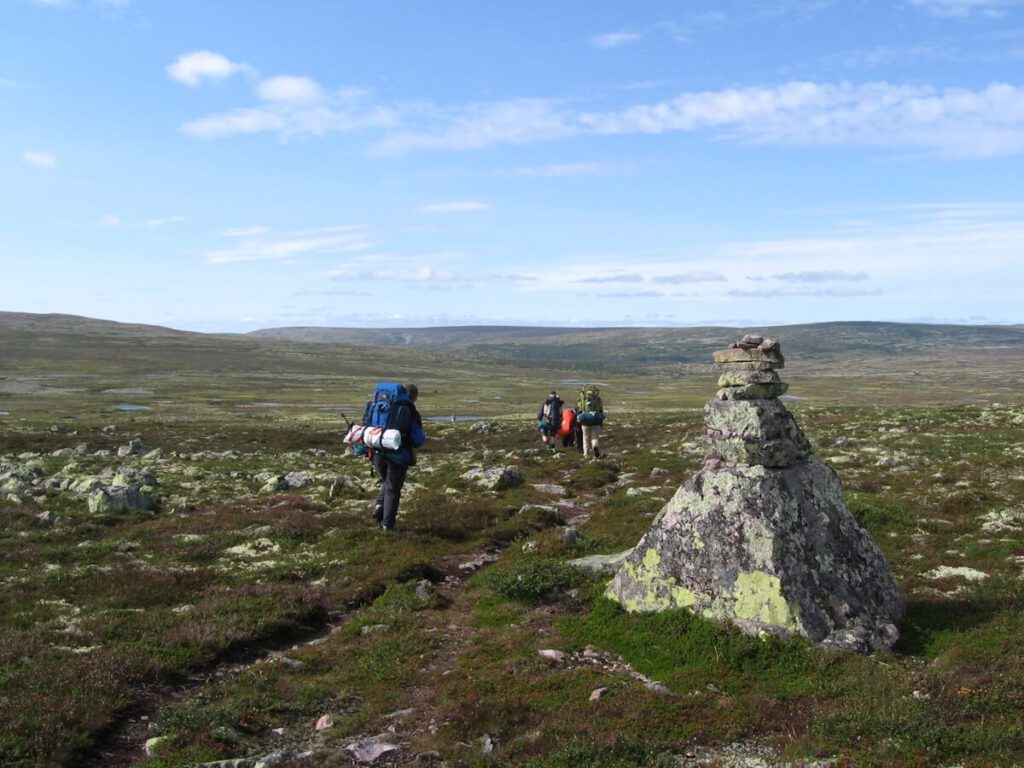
(378,514)
(597,452)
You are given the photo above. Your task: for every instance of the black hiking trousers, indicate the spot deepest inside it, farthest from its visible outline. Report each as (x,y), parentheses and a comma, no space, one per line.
(392,479)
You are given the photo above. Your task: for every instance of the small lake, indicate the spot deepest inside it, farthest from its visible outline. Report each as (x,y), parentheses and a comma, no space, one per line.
(457,418)
(791,397)
(131,407)
(578,383)
(5,413)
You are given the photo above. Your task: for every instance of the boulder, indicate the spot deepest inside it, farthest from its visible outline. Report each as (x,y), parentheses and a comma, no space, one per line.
(762,536)
(771,550)
(119,499)
(495,478)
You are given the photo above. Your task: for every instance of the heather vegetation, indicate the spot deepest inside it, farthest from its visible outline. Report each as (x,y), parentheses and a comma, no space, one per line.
(239,602)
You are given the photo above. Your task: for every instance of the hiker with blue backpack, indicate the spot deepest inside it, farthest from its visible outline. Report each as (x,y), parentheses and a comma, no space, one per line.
(390,432)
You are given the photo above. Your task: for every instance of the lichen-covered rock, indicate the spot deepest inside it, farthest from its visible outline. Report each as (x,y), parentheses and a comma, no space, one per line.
(495,478)
(119,499)
(753,432)
(771,550)
(753,391)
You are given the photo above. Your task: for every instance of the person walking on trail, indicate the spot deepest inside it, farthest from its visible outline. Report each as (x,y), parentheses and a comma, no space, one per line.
(590,415)
(549,419)
(393,466)
(567,430)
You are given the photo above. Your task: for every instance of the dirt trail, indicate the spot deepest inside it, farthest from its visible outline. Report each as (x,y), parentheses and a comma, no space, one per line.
(123,744)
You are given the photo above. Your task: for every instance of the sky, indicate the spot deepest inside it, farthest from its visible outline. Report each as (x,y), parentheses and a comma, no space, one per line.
(228,165)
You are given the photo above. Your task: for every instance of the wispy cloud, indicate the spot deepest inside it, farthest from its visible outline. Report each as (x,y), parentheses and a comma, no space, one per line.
(244,232)
(614,39)
(826,276)
(558,170)
(287,246)
(44,160)
(290,89)
(836,292)
(964,8)
(691,277)
(297,107)
(110,221)
(163,222)
(466,206)
(404,269)
(630,278)
(956,122)
(193,68)
(630,295)
(475,126)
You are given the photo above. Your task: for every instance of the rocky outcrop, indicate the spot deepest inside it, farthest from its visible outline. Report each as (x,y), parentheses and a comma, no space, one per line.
(762,536)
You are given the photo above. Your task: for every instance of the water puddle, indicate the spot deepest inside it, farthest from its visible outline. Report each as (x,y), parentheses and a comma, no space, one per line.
(454,418)
(131,407)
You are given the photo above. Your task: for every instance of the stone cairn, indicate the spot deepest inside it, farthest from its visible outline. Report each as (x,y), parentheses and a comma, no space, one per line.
(762,536)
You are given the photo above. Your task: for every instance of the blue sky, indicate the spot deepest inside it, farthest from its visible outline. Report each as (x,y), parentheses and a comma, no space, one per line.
(229,165)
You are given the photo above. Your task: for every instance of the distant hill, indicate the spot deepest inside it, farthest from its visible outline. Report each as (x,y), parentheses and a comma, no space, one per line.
(31,342)
(645,347)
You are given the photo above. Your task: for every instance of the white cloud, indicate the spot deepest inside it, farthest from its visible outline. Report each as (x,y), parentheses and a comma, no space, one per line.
(614,39)
(193,68)
(964,8)
(706,276)
(244,232)
(265,246)
(343,111)
(517,121)
(110,221)
(239,121)
(619,278)
(816,276)
(565,169)
(164,222)
(457,207)
(289,89)
(953,121)
(45,160)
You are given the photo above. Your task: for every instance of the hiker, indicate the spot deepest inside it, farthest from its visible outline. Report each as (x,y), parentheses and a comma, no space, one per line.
(549,417)
(392,466)
(567,430)
(590,417)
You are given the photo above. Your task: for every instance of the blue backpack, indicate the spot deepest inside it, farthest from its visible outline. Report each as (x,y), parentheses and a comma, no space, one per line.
(390,408)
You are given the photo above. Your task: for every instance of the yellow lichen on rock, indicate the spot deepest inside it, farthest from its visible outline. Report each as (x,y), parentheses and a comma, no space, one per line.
(759,598)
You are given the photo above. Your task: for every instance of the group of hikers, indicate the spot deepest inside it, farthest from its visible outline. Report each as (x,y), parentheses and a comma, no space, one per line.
(578,427)
(391,430)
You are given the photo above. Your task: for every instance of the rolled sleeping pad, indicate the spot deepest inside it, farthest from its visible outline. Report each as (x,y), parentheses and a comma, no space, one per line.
(386,439)
(354,434)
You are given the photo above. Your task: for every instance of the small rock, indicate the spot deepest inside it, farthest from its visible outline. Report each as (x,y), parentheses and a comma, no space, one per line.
(552,655)
(152,745)
(325,722)
(598,693)
(369,749)
(486,744)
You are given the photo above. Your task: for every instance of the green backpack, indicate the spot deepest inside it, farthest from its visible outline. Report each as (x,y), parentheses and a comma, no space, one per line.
(589,406)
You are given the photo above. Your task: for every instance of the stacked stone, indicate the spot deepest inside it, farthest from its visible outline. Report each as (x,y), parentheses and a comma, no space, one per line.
(762,536)
(746,423)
